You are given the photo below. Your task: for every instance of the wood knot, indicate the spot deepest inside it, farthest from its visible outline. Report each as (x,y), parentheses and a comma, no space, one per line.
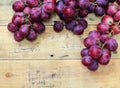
(8,75)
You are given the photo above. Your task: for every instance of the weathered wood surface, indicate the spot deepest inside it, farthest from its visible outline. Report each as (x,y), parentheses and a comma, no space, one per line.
(52,61)
(57,74)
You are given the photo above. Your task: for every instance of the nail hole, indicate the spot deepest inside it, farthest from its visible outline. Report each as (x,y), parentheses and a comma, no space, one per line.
(52,55)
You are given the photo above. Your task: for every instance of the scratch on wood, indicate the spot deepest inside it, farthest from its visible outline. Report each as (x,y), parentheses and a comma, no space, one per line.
(115,52)
(53,75)
(22,49)
(91,19)
(43,79)
(64,56)
(67,36)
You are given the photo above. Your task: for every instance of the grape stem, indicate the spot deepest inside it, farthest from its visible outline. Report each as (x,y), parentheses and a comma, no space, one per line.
(40,4)
(103,45)
(76,14)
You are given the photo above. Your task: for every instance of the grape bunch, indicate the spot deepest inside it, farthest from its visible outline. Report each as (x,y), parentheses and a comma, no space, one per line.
(100,43)
(28,17)
(69,12)
(98,7)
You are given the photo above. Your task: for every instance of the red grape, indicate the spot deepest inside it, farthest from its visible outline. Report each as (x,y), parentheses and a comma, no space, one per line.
(11,27)
(58,26)
(18,6)
(87,60)
(111,44)
(95,51)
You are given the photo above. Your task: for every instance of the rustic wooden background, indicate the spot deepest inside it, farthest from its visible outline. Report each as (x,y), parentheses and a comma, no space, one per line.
(52,61)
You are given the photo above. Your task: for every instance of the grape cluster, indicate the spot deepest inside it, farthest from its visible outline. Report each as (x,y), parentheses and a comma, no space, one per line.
(69,12)
(98,7)
(72,12)
(28,17)
(99,43)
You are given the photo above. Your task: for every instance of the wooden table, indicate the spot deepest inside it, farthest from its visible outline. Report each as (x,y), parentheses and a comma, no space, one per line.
(53,60)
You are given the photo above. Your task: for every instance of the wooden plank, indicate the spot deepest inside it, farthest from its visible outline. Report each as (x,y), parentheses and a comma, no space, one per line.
(49,45)
(57,74)
(7,13)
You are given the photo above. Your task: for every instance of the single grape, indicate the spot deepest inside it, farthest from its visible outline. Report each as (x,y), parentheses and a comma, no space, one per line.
(83,13)
(24,30)
(78,29)
(117,16)
(103,27)
(83,22)
(112,9)
(32,35)
(39,27)
(18,6)
(94,66)
(99,11)
(17,36)
(83,4)
(95,51)
(87,60)
(18,20)
(32,3)
(12,28)
(60,7)
(27,10)
(104,37)
(108,20)
(84,52)
(94,34)
(58,26)
(35,13)
(69,11)
(111,44)
(49,7)
(70,25)
(88,42)
(105,58)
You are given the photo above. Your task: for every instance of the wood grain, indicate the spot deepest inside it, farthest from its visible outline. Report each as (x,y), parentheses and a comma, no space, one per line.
(57,74)
(49,45)
(53,60)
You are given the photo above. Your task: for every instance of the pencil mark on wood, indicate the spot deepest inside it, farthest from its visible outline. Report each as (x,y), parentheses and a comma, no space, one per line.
(91,19)
(26,49)
(43,79)
(53,75)
(67,36)
(23,50)
(64,56)
(115,52)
